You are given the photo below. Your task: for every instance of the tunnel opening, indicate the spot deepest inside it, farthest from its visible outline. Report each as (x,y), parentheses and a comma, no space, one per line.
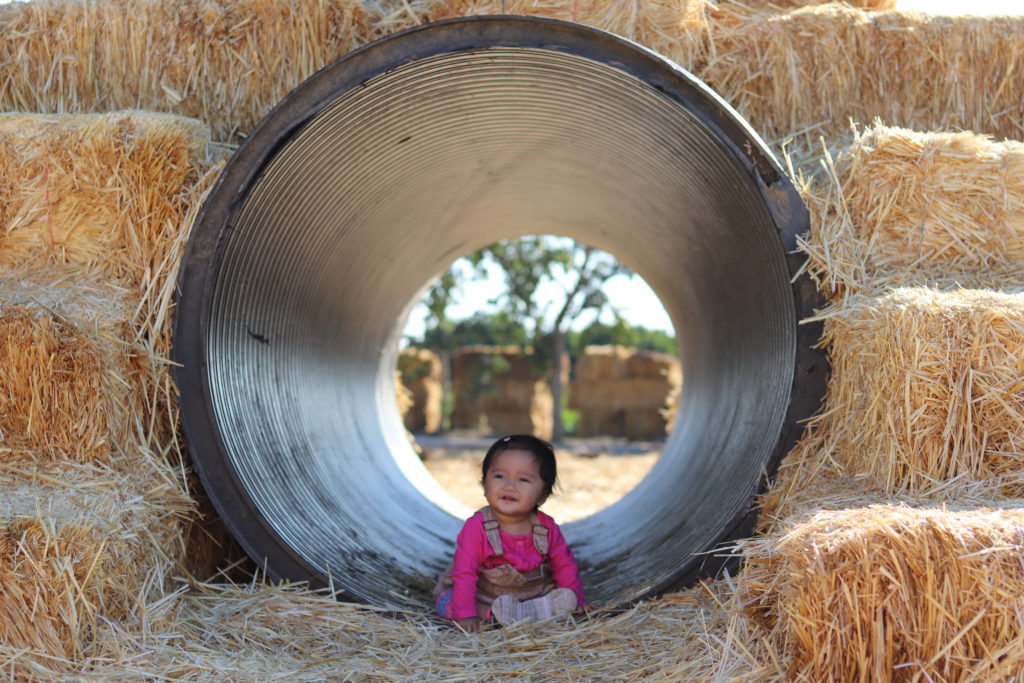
(367,180)
(478,362)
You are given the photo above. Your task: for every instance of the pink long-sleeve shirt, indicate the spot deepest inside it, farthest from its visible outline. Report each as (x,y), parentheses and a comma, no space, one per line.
(473,553)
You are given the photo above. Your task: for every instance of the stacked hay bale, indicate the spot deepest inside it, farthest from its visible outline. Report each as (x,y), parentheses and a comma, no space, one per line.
(94,514)
(888,592)
(504,386)
(422,377)
(673,28)
(624,392)
(915,569)
(812,69)
(89,515)
(225,62)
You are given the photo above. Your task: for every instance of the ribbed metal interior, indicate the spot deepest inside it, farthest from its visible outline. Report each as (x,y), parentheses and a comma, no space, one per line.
(357,209)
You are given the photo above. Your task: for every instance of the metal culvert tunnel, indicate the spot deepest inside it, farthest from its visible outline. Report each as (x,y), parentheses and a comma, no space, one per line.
(368,180)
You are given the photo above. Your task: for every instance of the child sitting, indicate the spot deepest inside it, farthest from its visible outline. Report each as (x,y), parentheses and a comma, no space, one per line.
(511,561)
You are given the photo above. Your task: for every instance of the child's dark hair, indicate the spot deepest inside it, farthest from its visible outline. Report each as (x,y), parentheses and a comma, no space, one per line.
(540,449)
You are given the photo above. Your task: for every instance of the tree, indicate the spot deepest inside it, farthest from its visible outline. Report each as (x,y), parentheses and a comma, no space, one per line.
(621,333)
(579,270)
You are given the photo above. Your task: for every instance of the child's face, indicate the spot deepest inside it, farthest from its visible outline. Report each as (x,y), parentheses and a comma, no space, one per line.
(513,486)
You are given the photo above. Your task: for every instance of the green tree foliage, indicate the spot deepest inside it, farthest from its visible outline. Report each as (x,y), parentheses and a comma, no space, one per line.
(621,333)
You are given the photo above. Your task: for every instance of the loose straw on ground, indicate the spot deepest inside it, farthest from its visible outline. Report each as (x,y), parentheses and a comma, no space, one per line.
(211,632)
(226,62)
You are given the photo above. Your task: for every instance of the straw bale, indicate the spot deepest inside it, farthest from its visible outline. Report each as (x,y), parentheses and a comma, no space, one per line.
(811,70)
(403,395)
(69,377)
(421,377)
(926,388)
(652,365)
(503,385)
(890,592)
(767,6)
(602,362)
(532,417)
(108,192)
(226,62)
(623,392)
(673,28)
(80,545)
(905,207)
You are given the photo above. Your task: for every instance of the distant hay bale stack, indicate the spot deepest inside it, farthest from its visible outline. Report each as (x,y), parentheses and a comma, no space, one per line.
(813,69)
(422,377)
(403,396)
(226,62)
(926,388)
(80,546)
(503,385)
(623,392)
(892,593)
(904,207)
(673,28)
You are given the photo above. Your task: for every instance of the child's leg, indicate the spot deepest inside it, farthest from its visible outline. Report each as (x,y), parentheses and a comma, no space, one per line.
(558,603)
(443,603)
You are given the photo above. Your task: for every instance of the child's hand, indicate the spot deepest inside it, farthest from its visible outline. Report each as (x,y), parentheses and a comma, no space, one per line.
(470,625)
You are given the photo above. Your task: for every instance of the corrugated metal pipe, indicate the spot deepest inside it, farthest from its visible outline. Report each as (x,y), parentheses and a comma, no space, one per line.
(368,180)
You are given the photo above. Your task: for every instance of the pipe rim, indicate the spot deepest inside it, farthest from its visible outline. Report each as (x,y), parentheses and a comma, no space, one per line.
(202,259)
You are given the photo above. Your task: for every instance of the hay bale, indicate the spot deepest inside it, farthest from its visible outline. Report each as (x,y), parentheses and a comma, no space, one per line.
(903,207)
(226,62)
(623,392)
(771,6)
(103,204)
(813,69)
(107,192)
(80,546)
(926,388)
(502,386)
(422,377)
(673,28)
(70,379)
(892,593)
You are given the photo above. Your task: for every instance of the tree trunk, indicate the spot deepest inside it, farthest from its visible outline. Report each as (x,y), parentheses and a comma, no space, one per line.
(558,349)
(446,390)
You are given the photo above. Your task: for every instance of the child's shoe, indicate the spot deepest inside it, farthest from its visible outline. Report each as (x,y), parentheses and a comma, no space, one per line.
(507,609)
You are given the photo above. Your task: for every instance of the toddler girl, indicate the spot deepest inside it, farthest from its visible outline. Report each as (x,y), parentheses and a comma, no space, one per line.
(511,561)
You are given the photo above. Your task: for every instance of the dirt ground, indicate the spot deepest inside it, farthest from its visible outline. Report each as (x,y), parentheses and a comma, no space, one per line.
(588,480)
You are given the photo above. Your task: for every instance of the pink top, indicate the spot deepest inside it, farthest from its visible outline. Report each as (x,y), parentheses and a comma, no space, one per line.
(473,552)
